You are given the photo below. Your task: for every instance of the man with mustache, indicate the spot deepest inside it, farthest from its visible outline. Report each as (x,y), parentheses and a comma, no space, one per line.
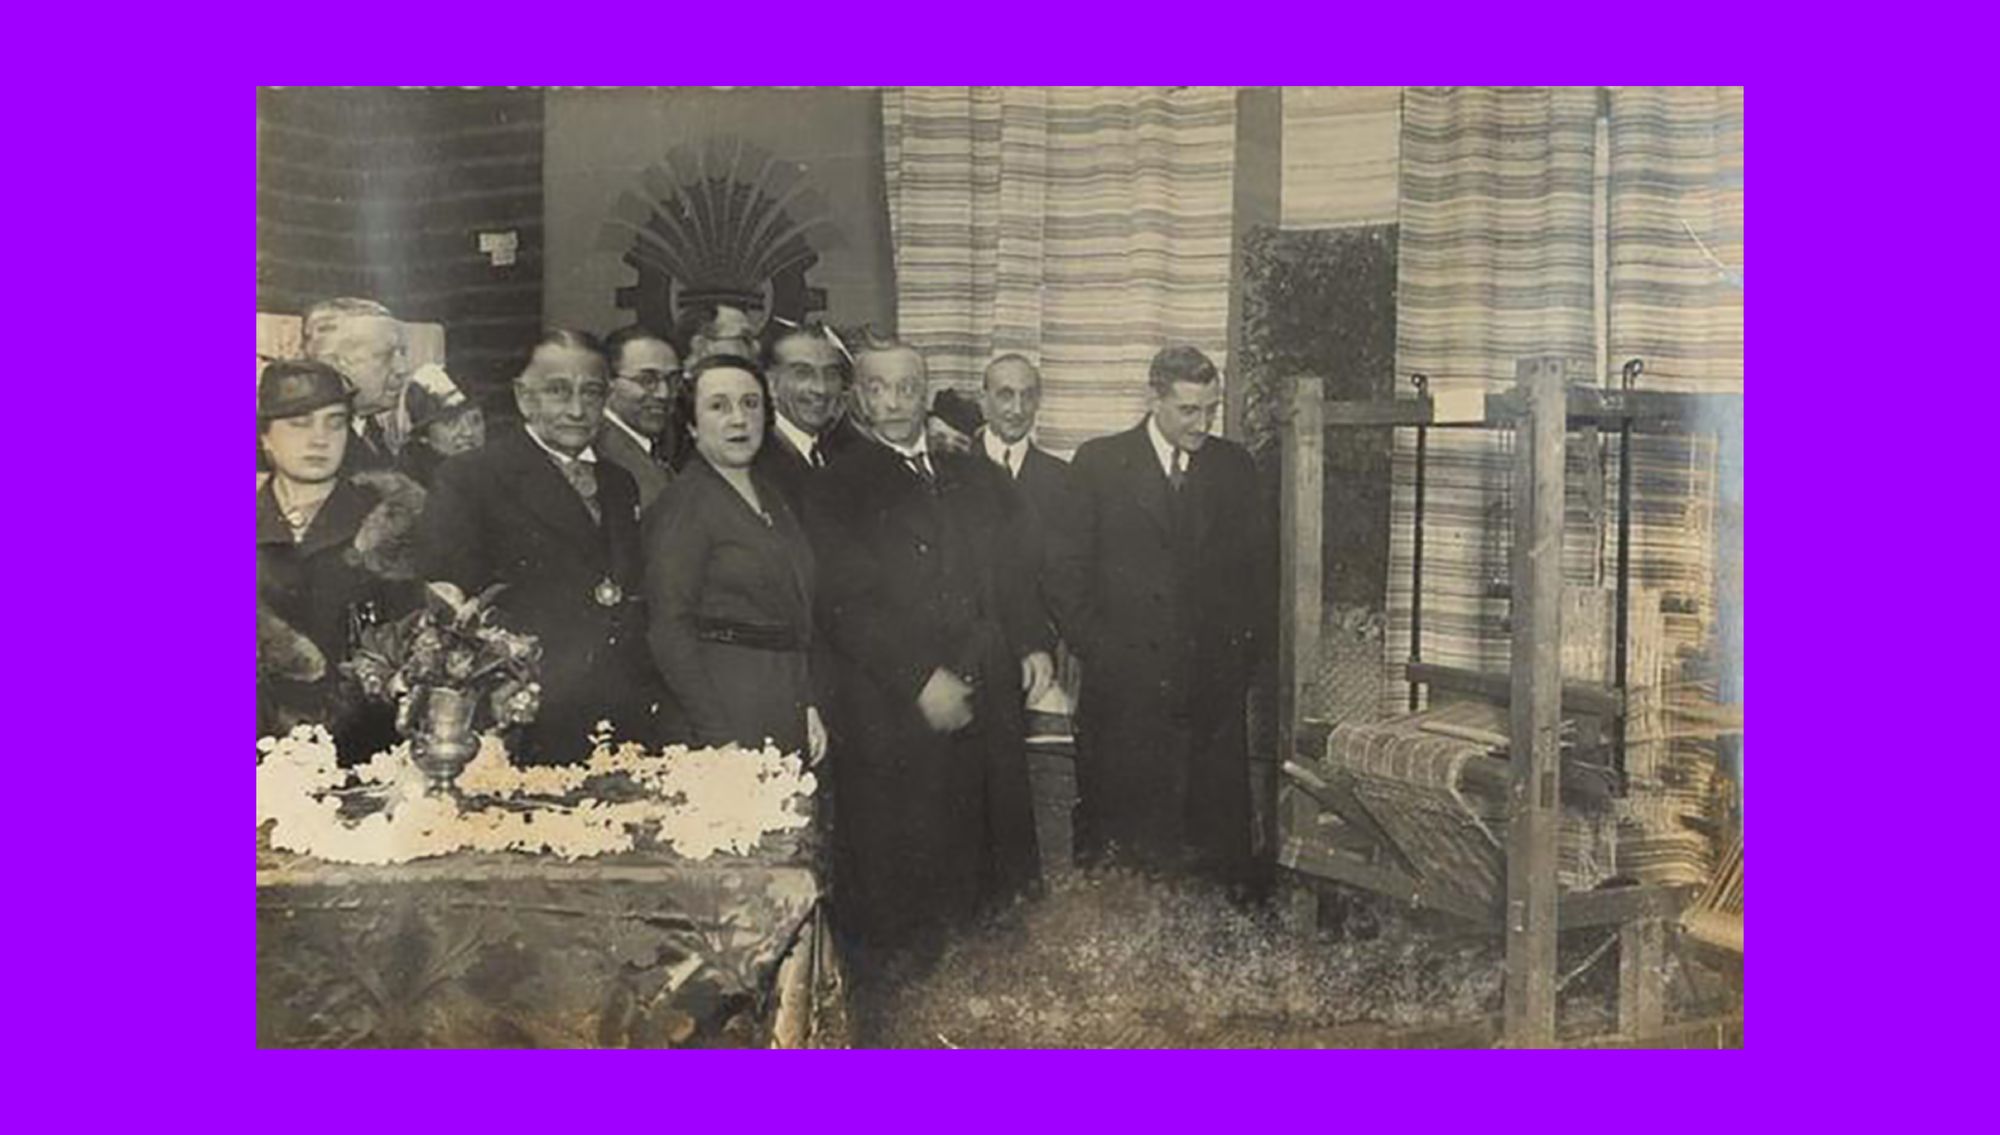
(537,510)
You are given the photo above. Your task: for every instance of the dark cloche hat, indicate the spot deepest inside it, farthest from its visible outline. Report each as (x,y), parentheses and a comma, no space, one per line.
(958,411)
(290,387)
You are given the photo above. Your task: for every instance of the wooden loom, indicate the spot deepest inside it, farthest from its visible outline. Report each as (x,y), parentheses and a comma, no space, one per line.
(1532,908)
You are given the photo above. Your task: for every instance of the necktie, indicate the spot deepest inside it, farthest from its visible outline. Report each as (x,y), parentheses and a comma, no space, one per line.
(1015,454)
(919,464)
(583,478)
(1178,477)
(814,457)
(372,433)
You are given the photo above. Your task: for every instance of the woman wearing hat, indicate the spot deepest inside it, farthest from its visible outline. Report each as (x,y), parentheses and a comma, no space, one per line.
(333,555)
(443,422)
(729,578)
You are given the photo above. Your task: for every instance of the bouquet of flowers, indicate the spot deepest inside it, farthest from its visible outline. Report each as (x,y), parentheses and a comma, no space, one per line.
(451,644)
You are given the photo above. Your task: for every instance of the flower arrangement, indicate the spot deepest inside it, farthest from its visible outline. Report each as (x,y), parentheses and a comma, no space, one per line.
(695,804)
(452,672)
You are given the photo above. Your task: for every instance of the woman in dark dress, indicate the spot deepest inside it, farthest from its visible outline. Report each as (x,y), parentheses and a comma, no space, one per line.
(333,556)
(729,579)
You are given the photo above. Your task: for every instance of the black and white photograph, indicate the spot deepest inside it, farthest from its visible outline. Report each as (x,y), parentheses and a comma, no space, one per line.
(999,567)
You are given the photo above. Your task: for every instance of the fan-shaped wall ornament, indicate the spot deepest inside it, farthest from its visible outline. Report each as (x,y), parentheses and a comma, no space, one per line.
(725,222)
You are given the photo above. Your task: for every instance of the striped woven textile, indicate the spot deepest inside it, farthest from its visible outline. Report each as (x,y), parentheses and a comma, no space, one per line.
(1340,148)
(1083,227)
(1494,264)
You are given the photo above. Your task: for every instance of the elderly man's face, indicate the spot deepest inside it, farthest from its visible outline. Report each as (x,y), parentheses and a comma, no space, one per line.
(807,377)
(1186,413)
(1012,398)
(642,385)
(371,352)
(562,396)
(891,392)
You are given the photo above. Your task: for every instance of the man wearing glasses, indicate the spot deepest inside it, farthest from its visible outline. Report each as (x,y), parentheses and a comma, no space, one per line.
(536,510)
(640,435)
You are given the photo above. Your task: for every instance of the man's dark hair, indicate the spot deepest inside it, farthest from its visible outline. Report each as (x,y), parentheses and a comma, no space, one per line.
(614,343)
(1179,364)
(810,329)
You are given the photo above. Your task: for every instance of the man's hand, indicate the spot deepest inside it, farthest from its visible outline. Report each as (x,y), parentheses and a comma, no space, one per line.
(815,737)
(1038,673)
(946,702)
(941,438)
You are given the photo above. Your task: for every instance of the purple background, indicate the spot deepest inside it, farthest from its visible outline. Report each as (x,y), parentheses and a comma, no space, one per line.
(148,144)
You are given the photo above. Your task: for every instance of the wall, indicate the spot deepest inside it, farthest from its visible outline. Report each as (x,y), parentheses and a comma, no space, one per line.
(601,145)
(385,194)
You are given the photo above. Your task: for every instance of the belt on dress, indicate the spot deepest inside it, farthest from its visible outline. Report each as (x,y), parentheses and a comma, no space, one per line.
(752,636)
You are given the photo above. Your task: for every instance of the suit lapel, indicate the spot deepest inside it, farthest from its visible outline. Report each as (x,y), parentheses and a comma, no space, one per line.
(544,491)
(1149,482)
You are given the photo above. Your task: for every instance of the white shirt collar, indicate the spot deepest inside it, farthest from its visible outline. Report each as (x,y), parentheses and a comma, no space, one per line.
(914,450)
(1008,457)
(1164,449)
(589,453)
(645,442)
(802,441)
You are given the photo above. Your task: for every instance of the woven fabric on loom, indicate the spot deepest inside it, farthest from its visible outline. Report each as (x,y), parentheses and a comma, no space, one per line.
(1410,775)
(1083,227)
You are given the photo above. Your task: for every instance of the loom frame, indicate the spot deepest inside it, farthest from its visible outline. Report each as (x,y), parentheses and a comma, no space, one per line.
(1553,396)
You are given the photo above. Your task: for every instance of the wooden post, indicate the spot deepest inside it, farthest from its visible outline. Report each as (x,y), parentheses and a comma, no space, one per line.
(1301,514)
(1301,467)
(1642,987)
(1535,705)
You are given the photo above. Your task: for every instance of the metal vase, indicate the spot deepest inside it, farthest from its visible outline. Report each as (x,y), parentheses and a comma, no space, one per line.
(442,741)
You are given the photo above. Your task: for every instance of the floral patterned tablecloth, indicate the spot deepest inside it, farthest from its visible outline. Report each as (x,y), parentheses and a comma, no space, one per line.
(512,950)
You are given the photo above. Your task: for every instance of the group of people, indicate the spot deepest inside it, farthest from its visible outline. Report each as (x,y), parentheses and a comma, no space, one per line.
(724,536)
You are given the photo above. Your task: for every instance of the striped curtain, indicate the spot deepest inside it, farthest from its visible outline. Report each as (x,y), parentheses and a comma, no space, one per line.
(1676,301)
(1494,264)
(1083,227)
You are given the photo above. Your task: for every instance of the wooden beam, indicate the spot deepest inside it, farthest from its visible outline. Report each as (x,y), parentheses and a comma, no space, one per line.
(1535,706)
(1620,904)
(1301,512)
(1642,982)
(1577,697)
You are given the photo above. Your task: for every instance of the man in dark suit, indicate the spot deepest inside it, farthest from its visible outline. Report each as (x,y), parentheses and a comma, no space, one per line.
(809,377)
(536,510)
(640,434)
(1164,585)
(1012,398)
(933,636)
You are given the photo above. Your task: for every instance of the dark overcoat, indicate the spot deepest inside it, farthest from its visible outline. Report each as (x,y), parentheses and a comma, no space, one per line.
(505,513)
(917,576)
(1167,597)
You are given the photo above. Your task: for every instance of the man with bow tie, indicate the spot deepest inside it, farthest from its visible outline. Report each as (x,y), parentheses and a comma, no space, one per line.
(933,635)
(536,510)
(1163,576)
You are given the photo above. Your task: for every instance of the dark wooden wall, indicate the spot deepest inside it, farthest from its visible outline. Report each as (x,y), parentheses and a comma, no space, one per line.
(384,194)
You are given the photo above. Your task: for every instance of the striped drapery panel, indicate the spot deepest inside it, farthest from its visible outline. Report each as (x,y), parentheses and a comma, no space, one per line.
(1494,264)
(1676,301)
(1083,227)
(1340,148)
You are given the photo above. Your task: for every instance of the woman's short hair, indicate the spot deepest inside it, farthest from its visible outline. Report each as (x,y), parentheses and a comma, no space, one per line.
(685,398)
